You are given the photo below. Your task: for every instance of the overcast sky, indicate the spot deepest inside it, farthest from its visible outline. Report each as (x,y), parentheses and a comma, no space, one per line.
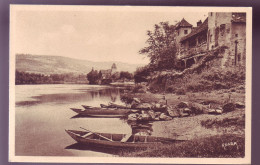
(91,33)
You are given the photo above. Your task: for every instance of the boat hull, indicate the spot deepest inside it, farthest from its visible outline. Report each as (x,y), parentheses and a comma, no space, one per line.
(119,144)
(102,112)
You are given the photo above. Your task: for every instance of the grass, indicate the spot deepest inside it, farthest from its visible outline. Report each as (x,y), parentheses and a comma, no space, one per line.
(226,122)
(219,146)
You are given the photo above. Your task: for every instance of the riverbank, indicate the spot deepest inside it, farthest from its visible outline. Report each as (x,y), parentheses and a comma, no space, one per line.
(207,135)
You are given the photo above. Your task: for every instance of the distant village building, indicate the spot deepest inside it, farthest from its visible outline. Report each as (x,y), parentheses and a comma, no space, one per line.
(107,74)
(219,29)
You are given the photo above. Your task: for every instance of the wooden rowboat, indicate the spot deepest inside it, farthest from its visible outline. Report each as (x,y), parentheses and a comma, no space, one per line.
(102,112)
(87,107)
(117,140)
(103,107)
(113,105)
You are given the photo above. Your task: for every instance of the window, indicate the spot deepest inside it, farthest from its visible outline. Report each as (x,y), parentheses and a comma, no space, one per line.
(185,31)
(222,29)
(211,13)
(236,35)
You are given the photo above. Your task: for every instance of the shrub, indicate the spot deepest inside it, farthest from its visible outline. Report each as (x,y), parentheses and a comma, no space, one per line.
(127,99)
(207,80)
(180,91)
(227,122)
(170,90)
(139,89)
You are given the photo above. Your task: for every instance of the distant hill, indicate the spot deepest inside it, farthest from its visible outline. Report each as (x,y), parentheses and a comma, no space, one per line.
(58,64)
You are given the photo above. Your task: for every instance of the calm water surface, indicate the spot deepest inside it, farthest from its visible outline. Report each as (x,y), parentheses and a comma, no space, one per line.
(43,113)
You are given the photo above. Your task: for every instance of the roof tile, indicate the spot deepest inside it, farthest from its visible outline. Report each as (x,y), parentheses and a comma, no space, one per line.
(202,27)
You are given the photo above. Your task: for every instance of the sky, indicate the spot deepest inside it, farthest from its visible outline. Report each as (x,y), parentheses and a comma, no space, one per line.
(91,33)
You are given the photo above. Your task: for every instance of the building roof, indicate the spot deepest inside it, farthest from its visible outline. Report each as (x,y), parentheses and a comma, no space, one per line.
(114,66)
(183,23)
(197,30)
(238,17)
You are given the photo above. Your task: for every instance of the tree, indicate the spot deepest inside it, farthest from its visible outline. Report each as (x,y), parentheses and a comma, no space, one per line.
(126,75)
(141,74)
(93,77)
(161,47)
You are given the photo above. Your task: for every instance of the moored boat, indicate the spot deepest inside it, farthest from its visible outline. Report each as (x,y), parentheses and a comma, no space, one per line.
(102,112)
(117,140)
(113,105)
(87,107)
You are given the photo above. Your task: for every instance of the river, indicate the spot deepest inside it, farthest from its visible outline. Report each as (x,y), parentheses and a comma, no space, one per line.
(42,113)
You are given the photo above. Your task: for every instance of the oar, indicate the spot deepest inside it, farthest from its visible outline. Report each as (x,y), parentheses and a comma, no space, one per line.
(98,134)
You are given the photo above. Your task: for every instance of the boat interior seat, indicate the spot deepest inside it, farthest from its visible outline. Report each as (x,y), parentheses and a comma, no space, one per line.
(88,134)
(126,137)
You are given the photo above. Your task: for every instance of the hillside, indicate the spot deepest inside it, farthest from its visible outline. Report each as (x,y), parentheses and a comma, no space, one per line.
(58,64)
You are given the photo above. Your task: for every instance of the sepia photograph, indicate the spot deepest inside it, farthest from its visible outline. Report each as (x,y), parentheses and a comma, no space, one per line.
(118,84)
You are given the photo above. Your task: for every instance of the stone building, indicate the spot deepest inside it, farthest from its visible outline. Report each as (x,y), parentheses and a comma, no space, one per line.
(183,28)
(228,29)
(106,74)
(194,45)
(219,29)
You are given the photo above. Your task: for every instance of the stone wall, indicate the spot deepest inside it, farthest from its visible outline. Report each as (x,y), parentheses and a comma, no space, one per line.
(238,44)
(219,25)
(222,32)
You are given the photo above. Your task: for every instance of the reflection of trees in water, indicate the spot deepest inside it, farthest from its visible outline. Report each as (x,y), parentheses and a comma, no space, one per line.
(112,93)
(109,94)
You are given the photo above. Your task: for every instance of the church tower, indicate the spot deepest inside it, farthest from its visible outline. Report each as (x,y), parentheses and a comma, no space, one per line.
(113,68)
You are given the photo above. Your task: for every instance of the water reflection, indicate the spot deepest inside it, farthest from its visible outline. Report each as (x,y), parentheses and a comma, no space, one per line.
(112,94)
(95,148)
(43,112)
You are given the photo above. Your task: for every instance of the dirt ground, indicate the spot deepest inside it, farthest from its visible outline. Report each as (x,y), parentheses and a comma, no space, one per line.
(188,128)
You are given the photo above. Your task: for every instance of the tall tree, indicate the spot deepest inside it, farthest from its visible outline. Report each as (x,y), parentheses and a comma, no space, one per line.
(161,47)
(126,75)
(93,77)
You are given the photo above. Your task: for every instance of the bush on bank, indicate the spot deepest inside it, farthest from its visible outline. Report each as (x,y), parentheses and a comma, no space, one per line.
(205,81)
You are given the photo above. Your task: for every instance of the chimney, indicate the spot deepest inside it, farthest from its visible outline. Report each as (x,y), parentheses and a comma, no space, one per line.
(199,23)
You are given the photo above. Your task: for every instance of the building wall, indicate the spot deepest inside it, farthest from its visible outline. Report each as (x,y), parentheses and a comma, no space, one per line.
(238,44)
(201,47)
(219,25)
(179,34)
(221,32)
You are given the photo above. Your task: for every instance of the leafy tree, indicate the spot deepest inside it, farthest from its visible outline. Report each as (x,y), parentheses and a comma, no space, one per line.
(161,47)
(34,78)
(126,75)
(93,77)
(141,74)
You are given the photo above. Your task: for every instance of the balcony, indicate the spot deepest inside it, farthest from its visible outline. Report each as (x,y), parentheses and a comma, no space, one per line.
(189,52)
